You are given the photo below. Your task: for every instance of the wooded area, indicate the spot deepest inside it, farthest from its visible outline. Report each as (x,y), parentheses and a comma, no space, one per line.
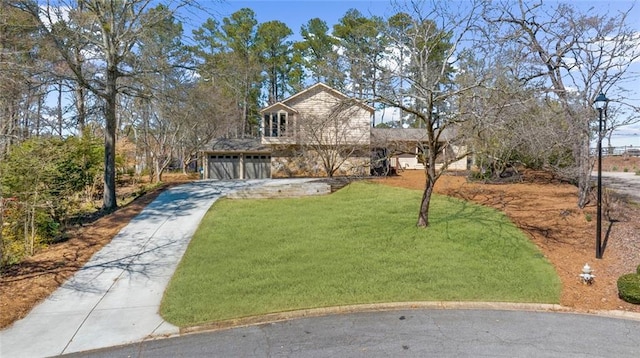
(514,80)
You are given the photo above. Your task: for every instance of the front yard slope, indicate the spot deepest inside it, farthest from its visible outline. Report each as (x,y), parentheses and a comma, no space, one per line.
(358,245)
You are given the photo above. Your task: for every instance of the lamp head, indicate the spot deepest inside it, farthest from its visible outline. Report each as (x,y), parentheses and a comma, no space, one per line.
(601,101)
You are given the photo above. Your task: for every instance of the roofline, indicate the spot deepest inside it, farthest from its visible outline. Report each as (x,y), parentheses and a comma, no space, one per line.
(235,151)
(289,109)
(329,88)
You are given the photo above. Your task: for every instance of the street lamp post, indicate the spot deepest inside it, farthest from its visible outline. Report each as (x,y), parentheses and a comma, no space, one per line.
(600,103)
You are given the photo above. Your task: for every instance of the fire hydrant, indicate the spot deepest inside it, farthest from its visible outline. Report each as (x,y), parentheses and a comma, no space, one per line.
(586,275)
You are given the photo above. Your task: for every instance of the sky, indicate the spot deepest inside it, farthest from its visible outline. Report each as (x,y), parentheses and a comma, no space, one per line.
(297,13)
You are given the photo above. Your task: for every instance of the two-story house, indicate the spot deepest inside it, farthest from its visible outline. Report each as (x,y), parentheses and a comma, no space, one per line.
(312,133)
(317,132)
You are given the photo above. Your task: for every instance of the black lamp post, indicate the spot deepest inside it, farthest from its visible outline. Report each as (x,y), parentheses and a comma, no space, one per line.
(600,103)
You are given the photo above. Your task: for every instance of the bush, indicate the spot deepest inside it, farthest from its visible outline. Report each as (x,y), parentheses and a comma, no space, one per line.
(629,287)
(43,181)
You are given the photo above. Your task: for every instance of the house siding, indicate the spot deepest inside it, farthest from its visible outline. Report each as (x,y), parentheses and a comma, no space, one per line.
(322,117)
(315,108)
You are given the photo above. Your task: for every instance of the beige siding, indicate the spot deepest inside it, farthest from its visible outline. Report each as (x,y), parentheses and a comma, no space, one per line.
(320,123)
(460,164)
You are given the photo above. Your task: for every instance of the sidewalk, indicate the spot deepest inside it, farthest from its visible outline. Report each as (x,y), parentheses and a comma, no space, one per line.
(114,299)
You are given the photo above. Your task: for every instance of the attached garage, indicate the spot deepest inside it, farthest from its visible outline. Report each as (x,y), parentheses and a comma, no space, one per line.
(227,159)
(257,166)
(224,166)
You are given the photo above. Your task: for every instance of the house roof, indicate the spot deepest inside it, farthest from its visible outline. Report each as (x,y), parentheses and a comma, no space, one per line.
(279,105)
(318,86)
(235,145)
(381,135)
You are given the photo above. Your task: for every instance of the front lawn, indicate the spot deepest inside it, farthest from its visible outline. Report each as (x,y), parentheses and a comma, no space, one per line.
(358,245)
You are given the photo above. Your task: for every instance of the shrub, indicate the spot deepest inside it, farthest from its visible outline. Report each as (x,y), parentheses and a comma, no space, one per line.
(629,287)
(42,183)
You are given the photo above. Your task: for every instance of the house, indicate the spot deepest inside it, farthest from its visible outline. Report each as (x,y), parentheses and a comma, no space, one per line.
(395,149)
(311,133)
(317,132)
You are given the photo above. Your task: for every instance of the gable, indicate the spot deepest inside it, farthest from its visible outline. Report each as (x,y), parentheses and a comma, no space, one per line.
(320,90)
(278,107)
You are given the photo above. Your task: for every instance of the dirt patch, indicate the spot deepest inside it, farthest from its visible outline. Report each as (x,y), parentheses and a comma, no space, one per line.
(545,209)
(621,163)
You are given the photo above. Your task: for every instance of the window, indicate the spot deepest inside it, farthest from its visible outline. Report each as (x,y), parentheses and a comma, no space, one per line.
(283,124)
(277,124)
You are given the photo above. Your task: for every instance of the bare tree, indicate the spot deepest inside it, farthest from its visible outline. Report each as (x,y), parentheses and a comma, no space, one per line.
(203,100)
(571,57)
(337,136)
(435,33)
(109,31)
(20,84)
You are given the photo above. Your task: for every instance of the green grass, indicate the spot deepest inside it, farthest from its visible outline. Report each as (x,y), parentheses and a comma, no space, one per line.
(359,245)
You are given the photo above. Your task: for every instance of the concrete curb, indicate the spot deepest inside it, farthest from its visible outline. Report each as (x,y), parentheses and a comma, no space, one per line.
(396,306)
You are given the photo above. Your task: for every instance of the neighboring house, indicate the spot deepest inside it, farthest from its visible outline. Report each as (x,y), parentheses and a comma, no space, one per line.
(314,132)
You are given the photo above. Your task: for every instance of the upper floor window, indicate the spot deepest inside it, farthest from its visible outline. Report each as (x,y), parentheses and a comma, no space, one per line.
(277,124)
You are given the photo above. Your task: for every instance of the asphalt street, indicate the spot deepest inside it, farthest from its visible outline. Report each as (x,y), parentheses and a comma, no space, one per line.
(409,333)
(626,184)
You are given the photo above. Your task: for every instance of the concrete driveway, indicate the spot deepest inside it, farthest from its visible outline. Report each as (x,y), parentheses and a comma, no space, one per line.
(626,184)
(114,298)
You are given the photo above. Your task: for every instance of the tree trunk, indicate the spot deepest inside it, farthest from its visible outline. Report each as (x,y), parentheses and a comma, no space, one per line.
(79,90)
(38,116)
(59,110)
(109,196)
(80,107)
(1,226)
(423,216)
(584,172)
(430,174)
(158,164)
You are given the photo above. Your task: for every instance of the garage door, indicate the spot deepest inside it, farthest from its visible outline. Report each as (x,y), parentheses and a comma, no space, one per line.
(224,166)
(257,166)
